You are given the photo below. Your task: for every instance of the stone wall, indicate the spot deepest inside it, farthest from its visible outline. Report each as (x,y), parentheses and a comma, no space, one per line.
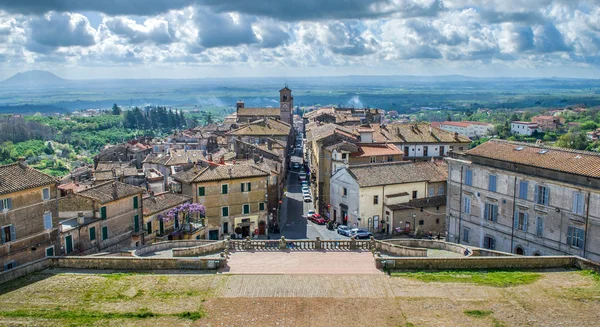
(515,262)
(25,269)
(167,245)
(446,246)
(401,251)
(133,263)
(199,250)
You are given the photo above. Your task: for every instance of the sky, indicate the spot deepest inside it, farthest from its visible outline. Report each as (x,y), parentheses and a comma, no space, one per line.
(84,39)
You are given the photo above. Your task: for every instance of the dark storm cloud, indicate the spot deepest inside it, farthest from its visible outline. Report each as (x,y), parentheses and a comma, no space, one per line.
(222,30)
(109,7)
(59,30)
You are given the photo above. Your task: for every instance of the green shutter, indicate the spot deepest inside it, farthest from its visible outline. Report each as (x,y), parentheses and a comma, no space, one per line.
(136,223)
(249,187)
(92,233)
(50,252)
(261,206)
(135,202)
(224,189)
(103,212)
(104,233)
(201,191)
(225,211)
(246,208)
(242,187)
(149,227)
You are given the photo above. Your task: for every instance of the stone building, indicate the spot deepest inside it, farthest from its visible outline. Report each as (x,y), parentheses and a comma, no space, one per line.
(283,113)
(133,151)
(263,131)
(155,208)
(234,195)
(365,195)
(525,199)
(548,123)
(422,141)
(104,217)
(28,215)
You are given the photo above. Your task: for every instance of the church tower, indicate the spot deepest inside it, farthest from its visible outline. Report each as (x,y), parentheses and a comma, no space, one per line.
(286,105)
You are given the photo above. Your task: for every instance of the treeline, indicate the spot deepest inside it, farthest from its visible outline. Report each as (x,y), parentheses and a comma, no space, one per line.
(159,118)
(19,130)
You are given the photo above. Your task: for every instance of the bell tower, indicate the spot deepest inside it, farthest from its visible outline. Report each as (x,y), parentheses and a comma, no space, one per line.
(286,105)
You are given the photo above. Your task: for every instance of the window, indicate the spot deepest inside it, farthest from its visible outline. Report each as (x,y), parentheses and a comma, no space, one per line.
(8,234)
(542,195)
(575,237)
(390,158)
(224,189)
(201,191)
(92,231)
(467,205)
(425,152)
(491,212)
(135,202)
(421,222)
(406,150)
(465,235)
(539,230)
(441,190)
(225,228)
(460,148)
(105,233)
(224,211)
(492,183)
(261,206)
(521,221)
(376,199)
(344,156)
(469,177)
(136,223)
(344,191)
(6,204)
(10,265)
(103,212)
(414,194)
(46,194)
(246,209)
(489,242)
(48,220)
(246,187)
(50,251)
(578,204)
(523,190)
(373,159)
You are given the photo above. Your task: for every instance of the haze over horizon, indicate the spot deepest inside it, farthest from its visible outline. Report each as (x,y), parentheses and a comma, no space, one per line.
(300,38)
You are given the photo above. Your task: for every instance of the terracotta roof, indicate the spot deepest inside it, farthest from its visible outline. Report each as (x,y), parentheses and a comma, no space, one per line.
(321,131)
(108,165)
(558,159)
(420,133)
(399,173)
(183,157)
(434,201)
(523,122)
(259,112)
(162,202)
(263,127)
(219,173)
(16,177)
(379,135)
(75,187)
(544,117)
(105,192)
(319,112)
(157,158)
(370,150)
(342,145)
(464,123)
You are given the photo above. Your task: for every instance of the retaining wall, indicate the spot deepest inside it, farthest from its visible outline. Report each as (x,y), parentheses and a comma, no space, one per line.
(124,263)
(199,250)
(25,269)
(401,251)
(446,246)
(167,245)
(477,263)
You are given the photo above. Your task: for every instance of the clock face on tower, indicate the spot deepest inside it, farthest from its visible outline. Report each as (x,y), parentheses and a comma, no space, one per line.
(284,106)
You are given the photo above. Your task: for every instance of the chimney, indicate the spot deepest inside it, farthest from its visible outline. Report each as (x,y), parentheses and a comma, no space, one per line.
(22,162)
(115,191)
(222,160)
(456,136)
(80,218)
(230,171)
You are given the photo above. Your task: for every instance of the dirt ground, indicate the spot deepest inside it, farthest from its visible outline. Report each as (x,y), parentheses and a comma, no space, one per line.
(559,298)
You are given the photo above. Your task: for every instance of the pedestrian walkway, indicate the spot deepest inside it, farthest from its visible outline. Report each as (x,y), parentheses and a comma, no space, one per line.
(313,262)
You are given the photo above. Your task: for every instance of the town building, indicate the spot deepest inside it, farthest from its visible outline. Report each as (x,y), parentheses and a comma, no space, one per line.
(344,116)
(235,197)
(421,141)
(283,113)
(470,129)
(133,151)
(367,196)
(524,128)
(526,199)
(102,218)
(28,215)
(548,123)
(262,131)
(159,227)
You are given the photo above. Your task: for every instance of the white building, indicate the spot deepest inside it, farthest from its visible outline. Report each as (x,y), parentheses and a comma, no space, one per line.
(359,194)
(523,127)
(468,128)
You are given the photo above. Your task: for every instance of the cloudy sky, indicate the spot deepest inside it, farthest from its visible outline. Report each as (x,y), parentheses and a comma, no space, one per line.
(229,38)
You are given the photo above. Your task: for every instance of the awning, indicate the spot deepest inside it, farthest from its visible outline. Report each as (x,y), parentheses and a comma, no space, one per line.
(248,223)
(344,207)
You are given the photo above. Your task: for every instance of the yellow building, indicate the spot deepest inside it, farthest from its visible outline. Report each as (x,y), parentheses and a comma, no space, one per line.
(156,207)
(235,198)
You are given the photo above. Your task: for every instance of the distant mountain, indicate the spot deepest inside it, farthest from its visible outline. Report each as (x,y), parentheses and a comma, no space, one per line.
(33,78)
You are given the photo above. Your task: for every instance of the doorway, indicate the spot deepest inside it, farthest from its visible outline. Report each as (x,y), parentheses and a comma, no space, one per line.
(245,231)
(69,244)
(519,251)
(213,234)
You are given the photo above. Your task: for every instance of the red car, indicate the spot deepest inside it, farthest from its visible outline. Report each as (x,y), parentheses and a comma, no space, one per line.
(317,219)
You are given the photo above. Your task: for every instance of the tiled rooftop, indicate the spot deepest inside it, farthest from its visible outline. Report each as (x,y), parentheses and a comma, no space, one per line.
(16,177)
(421,133)
(259,112)
(219,173)
(105,192)
(162,202)
(399,173)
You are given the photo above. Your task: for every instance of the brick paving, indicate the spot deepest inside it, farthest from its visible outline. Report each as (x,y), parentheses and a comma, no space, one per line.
(299,263)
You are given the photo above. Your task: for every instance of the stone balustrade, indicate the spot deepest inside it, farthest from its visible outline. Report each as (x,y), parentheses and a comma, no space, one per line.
(316,244)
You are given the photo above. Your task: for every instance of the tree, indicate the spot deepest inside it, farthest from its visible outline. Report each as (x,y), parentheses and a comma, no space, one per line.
(209,119)
(116,110)
(573,140)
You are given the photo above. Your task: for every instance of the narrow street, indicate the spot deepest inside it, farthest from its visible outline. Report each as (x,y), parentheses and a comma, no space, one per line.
(295,209)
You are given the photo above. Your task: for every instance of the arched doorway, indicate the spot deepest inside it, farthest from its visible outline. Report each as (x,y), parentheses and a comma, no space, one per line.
(519,251)
(537,254)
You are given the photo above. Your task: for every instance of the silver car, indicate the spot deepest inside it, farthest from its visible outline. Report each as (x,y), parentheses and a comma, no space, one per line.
(343,230)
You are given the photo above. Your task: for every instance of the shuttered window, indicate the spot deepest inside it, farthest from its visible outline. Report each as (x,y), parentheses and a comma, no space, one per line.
(492,183)
(92,233)
(6,204)
(48,220)
(103,212)
(135,202)
(201,191)
(469,177)
(104,233)
(46,194)
(575,237)
(578,203)
(523,190)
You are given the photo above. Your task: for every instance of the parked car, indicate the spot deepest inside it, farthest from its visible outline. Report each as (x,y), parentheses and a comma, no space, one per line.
(310,213)
(343,230)
(317,219)
(305,189)
(360,233)
(296,165)
(304,183)
(302,176)
(307,198)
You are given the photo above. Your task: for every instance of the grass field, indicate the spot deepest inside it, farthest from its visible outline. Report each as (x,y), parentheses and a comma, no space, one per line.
(67,298)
